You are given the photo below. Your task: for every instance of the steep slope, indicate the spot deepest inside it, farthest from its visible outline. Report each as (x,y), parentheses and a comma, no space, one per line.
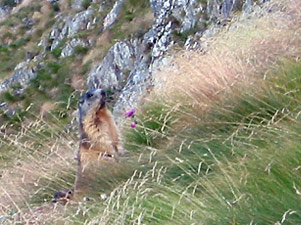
(118,45)
(214,119)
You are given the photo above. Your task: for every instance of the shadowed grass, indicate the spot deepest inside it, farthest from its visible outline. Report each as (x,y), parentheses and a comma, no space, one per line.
(230,169)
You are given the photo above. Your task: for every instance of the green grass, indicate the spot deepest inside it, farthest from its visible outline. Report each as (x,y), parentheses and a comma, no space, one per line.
(79,50)
(10,57)
(10,3)
(51,85)
(25,12)
(130,10)
(236,164)
(86,4)
(152,125)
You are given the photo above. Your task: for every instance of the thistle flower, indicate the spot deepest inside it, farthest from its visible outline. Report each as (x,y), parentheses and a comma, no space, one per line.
(133,125)
(130,113)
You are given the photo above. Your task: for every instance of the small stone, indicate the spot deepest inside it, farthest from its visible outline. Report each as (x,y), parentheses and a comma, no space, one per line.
(86,199)
(103,196)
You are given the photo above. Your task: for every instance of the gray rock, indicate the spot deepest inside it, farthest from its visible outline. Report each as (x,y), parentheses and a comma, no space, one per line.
(69,26)
(192,42)
(221,10)
(156,42)
(247,6)
(111,72)
(3,105)
(54,34)
(11,111)
(21,65)
(164,41)
(77,4)
(187,13)
(79,22)
(229,6)
(21,77)
(150,54)
(28,22)
(4,12)
(102,7)
(3,218)
(69,49)
(44,44)
(160,7)
(112,16)
(59,32)
(135,89)
(213,9)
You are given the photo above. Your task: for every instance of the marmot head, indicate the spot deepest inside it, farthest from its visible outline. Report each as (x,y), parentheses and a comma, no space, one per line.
(92,100)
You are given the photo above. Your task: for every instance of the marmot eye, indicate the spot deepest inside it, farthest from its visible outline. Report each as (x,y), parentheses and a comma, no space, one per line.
(89,95)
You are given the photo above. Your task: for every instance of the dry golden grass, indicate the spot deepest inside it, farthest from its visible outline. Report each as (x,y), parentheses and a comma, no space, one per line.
(23,4)
(102,46)
(39,160)
(246,48)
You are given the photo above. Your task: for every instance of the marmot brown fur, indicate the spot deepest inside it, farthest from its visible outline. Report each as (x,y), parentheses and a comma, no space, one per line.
(99,137)
(99,141)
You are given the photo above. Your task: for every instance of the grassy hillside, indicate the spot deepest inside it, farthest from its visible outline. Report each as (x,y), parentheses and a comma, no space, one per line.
(218,142)
(60,81)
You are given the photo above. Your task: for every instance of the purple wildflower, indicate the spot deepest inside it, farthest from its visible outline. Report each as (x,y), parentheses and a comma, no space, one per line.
(133,125)
(130,113)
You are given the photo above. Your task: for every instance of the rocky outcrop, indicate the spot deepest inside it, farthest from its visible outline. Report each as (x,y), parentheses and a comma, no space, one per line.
(77,4)
(4,12)
(78,22)
(178,16)
(221,10)
(247,6)
(67,27)
(112,16)
(3,218)
(156,42)
(20,77)
(112,71)
(70,47)
(6,7)
(129,64)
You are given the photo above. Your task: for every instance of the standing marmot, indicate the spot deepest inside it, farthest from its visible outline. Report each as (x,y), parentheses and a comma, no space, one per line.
(99,138)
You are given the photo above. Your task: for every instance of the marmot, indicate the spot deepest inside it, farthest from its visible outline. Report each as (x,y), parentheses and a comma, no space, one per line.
(99,137)
(99,140)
